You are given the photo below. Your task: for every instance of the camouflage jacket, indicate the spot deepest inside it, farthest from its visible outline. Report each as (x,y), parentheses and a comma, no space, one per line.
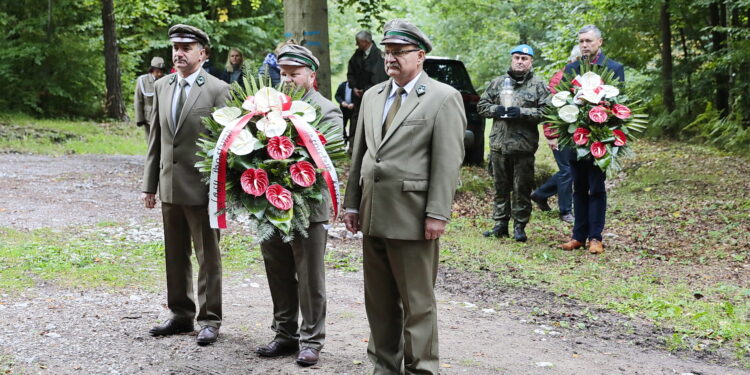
(518,135)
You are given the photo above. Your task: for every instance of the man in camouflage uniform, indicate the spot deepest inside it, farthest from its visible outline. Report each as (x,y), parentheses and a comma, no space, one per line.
(513,141)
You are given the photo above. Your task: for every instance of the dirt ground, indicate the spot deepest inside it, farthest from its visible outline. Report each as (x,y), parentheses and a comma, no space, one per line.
(484,328)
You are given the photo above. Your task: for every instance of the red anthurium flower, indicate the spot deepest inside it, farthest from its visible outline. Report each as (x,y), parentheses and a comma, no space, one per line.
(303,173)
(620,137)
(598,114)
(620,111)
(598,149)
(279,197)
(280,147)
(581,136)
(254,181)
(550,132)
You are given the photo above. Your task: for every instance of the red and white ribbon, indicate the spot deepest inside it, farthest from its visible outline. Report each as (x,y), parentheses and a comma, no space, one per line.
(319,155)
(217,195)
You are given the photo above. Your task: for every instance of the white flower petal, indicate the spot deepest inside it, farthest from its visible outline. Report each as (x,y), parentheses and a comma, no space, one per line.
(590,80)
(593,95)
(245,143)
(249,104)
(560,99)
(610,91)
(568,113)
(303,109)
(227,115)
(273,125)
(267,99)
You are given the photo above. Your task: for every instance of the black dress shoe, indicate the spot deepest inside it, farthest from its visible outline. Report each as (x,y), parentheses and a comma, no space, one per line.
(207,335)
(500,230)
(171,327)
(541,202)
(307,356)
(277,349)
(519,234)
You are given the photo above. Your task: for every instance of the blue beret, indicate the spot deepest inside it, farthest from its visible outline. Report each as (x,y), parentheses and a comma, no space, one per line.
(523,49)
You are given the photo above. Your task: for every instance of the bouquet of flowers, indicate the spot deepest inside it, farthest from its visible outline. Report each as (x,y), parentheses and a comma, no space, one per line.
(595,118)
(269,156)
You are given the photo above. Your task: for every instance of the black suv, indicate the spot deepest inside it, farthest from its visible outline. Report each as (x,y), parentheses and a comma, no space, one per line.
(453,72)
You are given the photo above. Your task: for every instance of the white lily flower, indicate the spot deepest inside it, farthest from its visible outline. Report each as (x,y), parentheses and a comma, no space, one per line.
(227,116)
(268,99)
(304,109)
(610,91)
(577,98)
(568,113)
(249,104)
(273,125)
(590,79)
(244,143)
(560,99)
(593,95)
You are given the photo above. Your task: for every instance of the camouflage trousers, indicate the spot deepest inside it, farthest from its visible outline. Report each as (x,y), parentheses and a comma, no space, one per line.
(514,180)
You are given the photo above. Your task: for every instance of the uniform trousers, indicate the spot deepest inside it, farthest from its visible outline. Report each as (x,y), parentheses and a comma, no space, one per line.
(400,303)
(513,174)
(181,224)
(296,278)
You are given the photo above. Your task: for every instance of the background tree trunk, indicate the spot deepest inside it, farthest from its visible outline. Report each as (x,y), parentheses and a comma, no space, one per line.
(307,22)
(113,104)
(717,18)
(666,58)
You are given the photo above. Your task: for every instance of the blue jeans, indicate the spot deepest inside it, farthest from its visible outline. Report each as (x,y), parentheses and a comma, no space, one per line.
(561,183)
(589,199)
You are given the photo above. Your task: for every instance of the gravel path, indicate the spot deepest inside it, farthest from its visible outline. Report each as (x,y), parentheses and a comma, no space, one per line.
(51,330)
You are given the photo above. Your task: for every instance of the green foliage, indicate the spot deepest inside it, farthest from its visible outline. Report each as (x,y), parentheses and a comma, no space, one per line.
(53,51)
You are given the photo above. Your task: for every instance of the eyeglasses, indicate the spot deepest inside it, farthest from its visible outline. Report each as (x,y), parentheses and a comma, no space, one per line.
(400,53)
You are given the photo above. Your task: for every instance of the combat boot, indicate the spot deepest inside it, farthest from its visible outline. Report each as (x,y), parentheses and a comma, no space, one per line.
(519,234)
(500,230)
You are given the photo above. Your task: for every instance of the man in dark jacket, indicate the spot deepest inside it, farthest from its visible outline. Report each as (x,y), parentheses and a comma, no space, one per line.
(589,194)
(514,139)
(366,69)
(344,96)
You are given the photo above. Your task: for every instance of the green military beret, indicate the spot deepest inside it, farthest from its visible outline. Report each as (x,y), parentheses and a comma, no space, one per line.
(399,31)
(296,55)
(187,34)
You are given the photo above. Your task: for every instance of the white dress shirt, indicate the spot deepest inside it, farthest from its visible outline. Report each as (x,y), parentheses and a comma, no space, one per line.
(176,97)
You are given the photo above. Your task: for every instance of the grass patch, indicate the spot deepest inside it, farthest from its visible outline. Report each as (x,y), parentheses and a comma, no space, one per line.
(23,133)
(678,246)
(98,257)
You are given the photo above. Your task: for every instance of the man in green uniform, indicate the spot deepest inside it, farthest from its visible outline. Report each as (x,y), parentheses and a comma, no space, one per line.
(405,167)
(296,270)
(181,100)
(144,94)
(514,139)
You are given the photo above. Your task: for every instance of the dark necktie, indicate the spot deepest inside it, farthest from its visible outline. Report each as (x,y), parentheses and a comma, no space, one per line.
(180,103)
(393,110)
